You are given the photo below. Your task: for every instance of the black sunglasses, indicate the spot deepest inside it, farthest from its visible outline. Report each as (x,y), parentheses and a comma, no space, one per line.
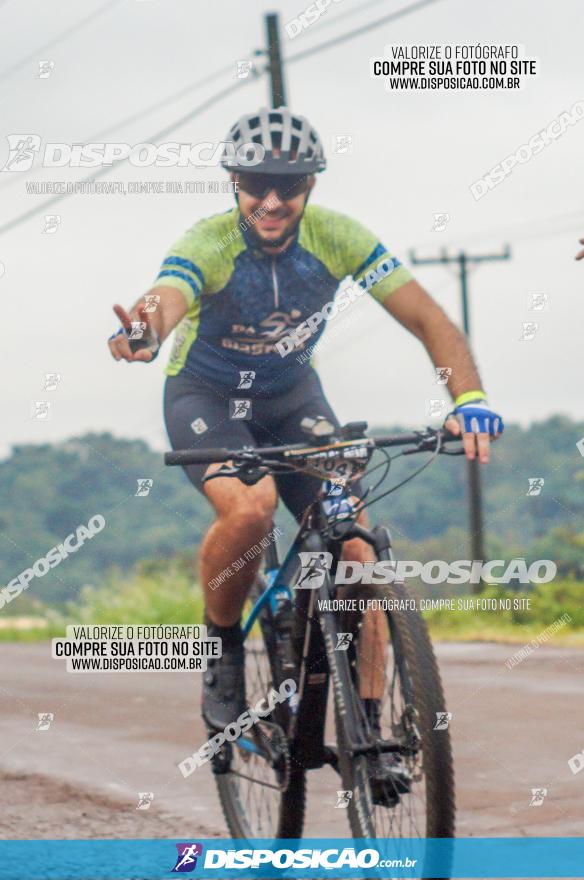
(286,186)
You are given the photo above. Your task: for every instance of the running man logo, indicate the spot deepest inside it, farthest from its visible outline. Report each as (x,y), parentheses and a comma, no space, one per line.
(443,719)
(442,375)
(436,406)
(537,796)
(343,641)
(188,854)
(441,221)
(537,302)
(535,485)
(240,409)
(144,486)
(145,798)
(343,798)
(45,69)
(246,378)
(51,381)
(343,144)
(22,149)
(41,409)
(52,223)
(243,69)
(528,332)
(137,331)
(45,720)
(315,566)
(151,302)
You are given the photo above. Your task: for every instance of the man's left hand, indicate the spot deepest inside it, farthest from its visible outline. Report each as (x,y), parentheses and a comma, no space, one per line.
(478,424)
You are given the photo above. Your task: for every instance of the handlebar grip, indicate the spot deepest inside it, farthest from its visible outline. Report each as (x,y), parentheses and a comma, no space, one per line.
(197,456)
(407,439)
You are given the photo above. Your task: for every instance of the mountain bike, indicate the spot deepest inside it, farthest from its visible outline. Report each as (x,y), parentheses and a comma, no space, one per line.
(294,632)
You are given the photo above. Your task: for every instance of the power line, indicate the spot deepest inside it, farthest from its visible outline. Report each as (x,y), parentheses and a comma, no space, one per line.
(330,20)
(134,117)
(105,169)
(358,31)
(187,117)
(66,33)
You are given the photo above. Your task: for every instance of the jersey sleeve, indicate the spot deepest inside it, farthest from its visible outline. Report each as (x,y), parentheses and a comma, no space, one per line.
(369,262)
(196,264)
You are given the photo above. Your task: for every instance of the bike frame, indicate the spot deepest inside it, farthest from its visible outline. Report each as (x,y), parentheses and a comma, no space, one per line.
(319,661)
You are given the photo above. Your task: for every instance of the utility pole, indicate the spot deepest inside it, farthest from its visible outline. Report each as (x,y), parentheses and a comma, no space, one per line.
(463,261)
(275,69)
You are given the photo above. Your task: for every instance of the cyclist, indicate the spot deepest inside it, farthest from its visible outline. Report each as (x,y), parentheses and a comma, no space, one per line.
(249,291)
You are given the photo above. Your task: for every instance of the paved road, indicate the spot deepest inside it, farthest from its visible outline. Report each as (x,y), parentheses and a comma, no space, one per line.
(115,735)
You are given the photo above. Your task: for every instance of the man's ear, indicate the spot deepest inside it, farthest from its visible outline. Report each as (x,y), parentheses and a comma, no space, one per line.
(233,178)
(311,184)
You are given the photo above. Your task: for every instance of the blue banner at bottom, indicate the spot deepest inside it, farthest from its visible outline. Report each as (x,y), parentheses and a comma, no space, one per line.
(308,858)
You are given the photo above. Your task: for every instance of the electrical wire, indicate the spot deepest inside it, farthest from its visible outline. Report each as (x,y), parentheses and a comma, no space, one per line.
(329,20)
(105,169)
(63,35)
(187,117)
(335,41)
(134,117)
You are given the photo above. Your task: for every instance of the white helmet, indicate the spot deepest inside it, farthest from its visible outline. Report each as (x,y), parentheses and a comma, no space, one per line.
(290,144)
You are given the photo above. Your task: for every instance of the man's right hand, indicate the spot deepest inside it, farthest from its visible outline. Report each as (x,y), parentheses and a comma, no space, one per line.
(119,344)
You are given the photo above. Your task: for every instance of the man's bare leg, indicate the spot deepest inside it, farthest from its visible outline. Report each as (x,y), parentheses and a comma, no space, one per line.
(374,633)
(244,517)
(389,777)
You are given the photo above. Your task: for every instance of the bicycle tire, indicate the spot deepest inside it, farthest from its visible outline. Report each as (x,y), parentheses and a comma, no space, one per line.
(288,809)
(417,662)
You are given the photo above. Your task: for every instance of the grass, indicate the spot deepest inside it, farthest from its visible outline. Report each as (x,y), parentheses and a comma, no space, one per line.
(166,592)
(547,604)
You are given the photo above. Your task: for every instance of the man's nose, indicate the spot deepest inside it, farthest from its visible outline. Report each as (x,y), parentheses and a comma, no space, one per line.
(272,201)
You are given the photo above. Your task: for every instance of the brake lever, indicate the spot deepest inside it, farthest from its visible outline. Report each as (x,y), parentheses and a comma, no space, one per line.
(224,471)
(427,443)
(249,474)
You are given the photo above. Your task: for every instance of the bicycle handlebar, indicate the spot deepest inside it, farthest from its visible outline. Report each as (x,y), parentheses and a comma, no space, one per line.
(197,456)
(220,455)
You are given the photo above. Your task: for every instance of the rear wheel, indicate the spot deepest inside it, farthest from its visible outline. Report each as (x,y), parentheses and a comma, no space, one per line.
(260,798)
(412,702)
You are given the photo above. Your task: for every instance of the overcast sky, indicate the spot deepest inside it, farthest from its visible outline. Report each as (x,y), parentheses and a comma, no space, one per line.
(414,154)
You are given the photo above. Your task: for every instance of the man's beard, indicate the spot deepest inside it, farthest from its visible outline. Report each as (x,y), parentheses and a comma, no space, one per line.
(274,242)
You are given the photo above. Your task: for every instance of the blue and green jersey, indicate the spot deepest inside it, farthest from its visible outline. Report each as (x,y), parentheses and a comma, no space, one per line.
(244,303)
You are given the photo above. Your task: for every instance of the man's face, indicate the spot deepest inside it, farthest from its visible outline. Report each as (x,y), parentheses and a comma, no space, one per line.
(276,203)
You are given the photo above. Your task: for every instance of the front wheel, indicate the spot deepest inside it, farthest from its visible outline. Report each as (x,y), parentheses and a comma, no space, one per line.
(404,675)
(260,800)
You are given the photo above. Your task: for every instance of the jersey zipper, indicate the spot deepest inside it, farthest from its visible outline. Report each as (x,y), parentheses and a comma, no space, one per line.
(275,283)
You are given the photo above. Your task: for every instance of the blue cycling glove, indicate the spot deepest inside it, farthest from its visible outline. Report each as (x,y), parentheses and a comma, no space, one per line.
(476,417)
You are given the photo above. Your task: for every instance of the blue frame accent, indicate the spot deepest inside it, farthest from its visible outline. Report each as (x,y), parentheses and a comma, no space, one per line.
(247,745)
(276,578)
(269,595)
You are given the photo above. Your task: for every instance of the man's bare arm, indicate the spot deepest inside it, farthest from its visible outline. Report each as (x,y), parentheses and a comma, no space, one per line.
(445,343)
(169,310)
